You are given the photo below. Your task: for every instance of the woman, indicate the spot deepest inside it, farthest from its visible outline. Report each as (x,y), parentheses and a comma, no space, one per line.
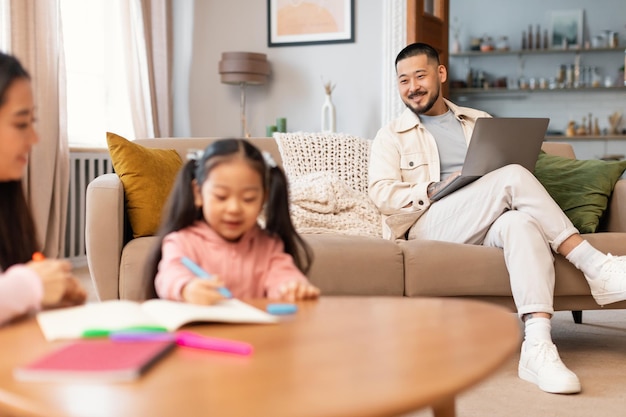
(25,284)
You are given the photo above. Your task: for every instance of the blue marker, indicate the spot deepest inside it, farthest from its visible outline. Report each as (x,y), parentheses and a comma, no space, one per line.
(201,273)
(281,309)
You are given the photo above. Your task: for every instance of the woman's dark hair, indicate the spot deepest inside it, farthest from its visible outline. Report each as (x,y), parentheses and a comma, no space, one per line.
(18,239)
(418,48)
(180,210)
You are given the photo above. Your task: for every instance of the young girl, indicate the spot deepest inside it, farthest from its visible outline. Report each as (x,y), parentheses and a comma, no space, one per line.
(25,285)
(211,218)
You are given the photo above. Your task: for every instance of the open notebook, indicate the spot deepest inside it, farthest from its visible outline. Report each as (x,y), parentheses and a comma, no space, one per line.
(497,142)
(73,322)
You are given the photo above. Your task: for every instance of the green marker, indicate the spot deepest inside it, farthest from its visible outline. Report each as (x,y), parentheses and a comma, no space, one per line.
(93,333)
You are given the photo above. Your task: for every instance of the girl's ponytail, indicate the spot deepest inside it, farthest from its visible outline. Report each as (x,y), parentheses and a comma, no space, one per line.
(179,212)
(278,219)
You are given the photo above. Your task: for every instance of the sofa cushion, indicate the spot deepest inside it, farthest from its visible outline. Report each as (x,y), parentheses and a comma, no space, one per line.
(147,175)
(582,188)
(480,271)
(356,265)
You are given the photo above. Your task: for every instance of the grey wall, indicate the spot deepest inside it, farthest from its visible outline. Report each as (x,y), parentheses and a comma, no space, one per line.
(295,89)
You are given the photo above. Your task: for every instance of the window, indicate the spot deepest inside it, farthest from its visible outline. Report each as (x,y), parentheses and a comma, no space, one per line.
(97,99)
(5,26)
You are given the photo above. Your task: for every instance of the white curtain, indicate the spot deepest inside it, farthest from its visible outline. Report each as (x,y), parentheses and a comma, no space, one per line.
(5,26)
(35,39)
(394,39)
(146,26)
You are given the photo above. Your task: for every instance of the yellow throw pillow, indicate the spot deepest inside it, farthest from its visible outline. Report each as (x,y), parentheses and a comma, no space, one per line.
(147,175)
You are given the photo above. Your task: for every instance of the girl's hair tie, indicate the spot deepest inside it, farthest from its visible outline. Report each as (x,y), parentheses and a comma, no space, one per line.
(194,154)
(268,159)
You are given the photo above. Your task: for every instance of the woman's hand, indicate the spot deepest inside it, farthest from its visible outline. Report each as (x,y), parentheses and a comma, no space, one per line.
(74,294)
(60,287)
(202,291)
(298,290)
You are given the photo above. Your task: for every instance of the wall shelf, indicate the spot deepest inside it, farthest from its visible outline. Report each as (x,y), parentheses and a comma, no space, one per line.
(506,93)
(555,138)
(521,52)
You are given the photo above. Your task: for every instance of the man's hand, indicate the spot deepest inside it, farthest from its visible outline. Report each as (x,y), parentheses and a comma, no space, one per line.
(434,187)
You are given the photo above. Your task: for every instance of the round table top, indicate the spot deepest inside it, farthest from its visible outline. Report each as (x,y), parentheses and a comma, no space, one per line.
(337,356)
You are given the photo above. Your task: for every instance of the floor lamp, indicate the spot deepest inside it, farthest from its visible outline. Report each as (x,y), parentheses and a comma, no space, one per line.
(244,68)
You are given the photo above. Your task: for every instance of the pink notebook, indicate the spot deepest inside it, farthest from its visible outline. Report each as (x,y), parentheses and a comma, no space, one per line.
(97,360)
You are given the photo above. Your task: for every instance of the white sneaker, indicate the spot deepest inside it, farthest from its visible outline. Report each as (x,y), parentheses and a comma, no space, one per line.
(540,364)
(610,286)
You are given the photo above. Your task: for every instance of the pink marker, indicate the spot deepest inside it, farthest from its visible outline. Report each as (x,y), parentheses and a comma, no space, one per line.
(194,340)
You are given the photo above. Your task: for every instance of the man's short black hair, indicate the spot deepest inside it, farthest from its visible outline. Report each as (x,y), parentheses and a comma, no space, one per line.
(418,48)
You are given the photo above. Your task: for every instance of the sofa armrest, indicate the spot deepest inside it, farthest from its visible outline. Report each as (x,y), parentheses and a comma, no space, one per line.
(615,220)
(104,233)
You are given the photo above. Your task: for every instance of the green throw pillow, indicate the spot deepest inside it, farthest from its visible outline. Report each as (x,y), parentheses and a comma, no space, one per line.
(581,188)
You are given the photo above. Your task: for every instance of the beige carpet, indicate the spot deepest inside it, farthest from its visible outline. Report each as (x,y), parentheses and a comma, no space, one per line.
(594,350)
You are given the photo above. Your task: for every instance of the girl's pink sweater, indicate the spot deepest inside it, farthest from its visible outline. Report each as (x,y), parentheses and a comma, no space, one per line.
(253,267)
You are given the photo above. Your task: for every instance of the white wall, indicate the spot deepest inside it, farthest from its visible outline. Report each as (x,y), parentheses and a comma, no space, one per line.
(295,89)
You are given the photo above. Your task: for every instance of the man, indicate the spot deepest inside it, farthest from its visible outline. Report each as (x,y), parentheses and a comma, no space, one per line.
(423,149)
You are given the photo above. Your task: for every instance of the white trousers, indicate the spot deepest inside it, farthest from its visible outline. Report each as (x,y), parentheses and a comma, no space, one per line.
(509,209)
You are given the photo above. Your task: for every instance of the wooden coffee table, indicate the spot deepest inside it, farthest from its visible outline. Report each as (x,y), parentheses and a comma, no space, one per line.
(338,356)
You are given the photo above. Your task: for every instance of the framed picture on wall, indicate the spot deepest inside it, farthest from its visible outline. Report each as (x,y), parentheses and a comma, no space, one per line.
(566,29)
(308,22)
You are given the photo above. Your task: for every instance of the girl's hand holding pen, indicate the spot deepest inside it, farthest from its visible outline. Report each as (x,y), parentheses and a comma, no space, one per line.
(296,290)
(203,291)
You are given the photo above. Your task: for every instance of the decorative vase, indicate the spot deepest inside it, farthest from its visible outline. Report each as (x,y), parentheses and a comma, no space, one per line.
(328,115)
(456,44)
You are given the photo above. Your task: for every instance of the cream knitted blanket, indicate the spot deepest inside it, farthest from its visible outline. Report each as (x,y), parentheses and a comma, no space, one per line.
(328,183)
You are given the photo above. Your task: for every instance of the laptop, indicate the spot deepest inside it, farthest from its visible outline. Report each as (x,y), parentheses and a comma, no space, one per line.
(497,142)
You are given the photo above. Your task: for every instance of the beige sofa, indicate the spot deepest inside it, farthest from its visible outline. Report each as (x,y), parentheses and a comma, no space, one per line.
(347,265)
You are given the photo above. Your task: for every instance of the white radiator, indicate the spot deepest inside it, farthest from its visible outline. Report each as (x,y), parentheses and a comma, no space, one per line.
(85,165)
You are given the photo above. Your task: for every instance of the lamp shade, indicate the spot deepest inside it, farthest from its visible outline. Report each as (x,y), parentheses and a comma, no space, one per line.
(244,67)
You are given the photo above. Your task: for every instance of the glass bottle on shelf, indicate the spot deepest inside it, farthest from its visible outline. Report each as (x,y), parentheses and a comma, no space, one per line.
(481,81)
(545,39)
(502,44)
(596,79)
(469,80)
(529,42)
(523,40)
(560,77)
(552,83)
(487,44)
(569,76)
(585,76)
(538,38)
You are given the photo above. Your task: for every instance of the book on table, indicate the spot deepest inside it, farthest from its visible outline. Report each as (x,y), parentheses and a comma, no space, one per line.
(111,315)
(101,360)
